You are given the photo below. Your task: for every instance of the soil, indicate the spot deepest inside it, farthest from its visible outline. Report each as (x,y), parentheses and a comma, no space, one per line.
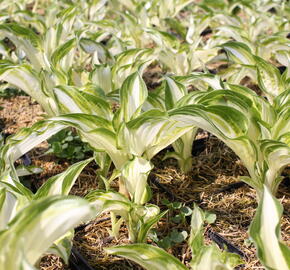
(214,168)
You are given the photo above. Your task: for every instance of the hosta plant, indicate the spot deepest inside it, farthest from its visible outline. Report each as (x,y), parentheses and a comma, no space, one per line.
(15,197)
(246,62)
(35,228)
(111,78)
(174,90)
(238,133)
(130,139)
(60,184)
(138,218)
(257,130)
(203,256)
(130,133)
(181,59)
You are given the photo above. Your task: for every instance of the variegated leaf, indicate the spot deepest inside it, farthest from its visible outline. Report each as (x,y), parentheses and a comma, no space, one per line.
(239,53)
(133,94)
(61,184)
(148,256)
(45,220)
(269,79)
(265,231)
